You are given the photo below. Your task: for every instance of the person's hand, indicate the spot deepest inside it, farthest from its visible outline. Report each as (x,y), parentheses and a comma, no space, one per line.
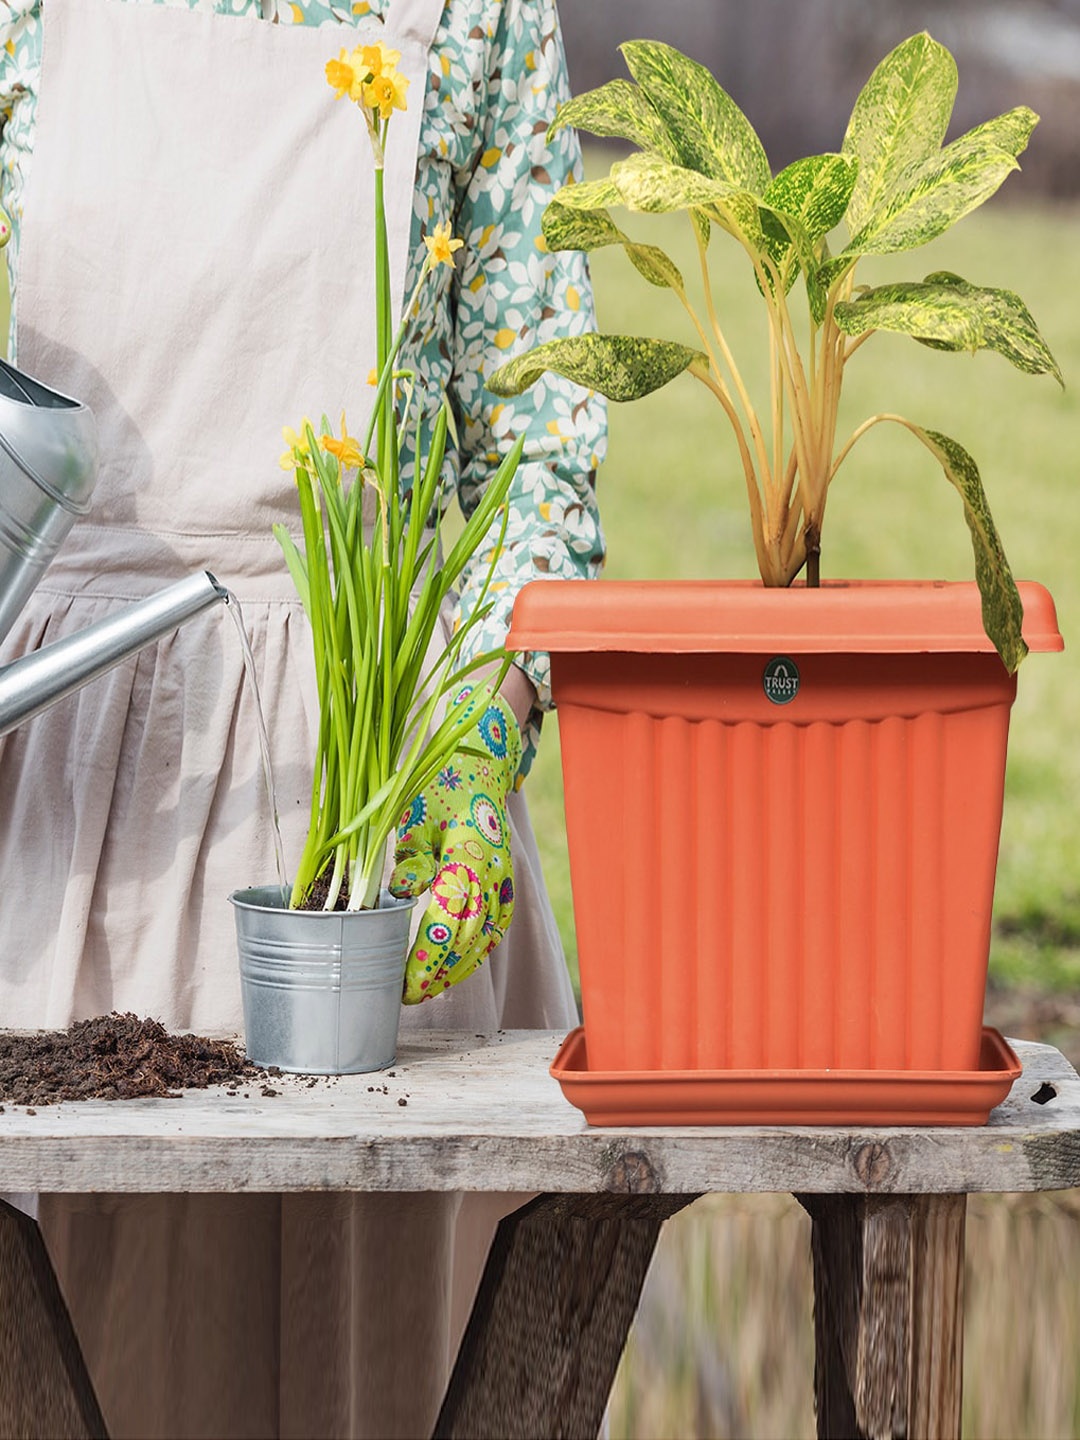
(455,839)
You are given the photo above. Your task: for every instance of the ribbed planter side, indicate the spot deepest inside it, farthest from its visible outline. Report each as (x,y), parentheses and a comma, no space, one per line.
(759,889)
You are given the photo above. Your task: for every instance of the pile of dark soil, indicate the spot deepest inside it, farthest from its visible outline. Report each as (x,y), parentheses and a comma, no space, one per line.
(114,1057)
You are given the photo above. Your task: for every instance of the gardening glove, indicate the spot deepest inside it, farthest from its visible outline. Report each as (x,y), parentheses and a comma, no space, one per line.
(455,839)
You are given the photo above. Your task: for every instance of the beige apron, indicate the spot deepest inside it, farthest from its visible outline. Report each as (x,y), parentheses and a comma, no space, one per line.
(196,266)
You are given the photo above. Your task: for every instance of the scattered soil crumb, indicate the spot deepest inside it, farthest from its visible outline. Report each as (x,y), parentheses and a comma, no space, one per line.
(268,1091)
(403,1101)
(113,1057)
(30,1110)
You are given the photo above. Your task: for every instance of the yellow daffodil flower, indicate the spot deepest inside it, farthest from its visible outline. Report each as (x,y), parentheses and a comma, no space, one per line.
(374,60)
(373,376)
(440,246)
(296,453)
(346,450)
(386,93)
(342,76)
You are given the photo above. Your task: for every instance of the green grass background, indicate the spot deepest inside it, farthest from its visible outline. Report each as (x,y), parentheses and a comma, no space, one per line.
(673,505)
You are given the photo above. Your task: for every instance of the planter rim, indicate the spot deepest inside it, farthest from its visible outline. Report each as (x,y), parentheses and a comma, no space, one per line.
(743,616)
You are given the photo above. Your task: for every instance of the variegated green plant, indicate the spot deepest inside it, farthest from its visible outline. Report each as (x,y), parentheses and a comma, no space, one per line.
(894,185)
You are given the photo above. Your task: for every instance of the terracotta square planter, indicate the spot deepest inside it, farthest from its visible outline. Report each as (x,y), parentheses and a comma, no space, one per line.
(783,811)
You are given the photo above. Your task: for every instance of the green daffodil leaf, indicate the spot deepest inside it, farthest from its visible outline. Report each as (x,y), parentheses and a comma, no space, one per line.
(948,313)
(709,131)
(622,367)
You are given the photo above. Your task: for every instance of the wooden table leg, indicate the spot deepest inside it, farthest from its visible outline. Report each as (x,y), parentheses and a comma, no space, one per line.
(888,1292)
(556,1302)
(45,1390)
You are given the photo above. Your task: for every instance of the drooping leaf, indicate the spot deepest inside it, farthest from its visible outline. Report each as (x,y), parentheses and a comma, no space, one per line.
(899,119)
(932,197)
(569,229)
(709,131)
(618,110)
(622,367)
(1002,608)
(594,229)
(953,315)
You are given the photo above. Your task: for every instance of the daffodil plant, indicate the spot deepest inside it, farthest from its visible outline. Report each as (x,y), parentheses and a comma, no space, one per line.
(371,579)
(893,186)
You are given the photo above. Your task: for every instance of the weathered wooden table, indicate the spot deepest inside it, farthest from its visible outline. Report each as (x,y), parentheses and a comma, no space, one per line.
(565,1272)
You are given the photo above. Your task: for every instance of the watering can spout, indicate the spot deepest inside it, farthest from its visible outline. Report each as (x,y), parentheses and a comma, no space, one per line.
(38,680)
(48,462)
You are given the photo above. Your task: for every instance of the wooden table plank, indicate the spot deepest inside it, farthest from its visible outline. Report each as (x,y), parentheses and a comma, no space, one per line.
(473,1112)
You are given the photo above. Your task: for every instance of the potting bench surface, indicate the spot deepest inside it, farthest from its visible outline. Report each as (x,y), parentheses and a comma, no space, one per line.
(481,1112)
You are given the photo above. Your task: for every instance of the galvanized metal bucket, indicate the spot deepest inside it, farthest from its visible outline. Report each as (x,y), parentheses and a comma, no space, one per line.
(321,989)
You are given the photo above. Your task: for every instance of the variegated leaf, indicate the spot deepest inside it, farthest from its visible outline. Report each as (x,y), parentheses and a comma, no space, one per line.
(619,111)
(655,186)
(649,184)
(593,229)
(815,190)
(622,367)
(654,265)
(592,195)
(952,314)
(934,196)
(805,202)
(1002,608)
(710,133)
(569,229)
(899,119)
(1010,131)
(1010,327)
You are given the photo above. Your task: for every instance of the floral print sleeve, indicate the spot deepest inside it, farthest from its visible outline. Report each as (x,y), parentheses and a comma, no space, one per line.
(496,74)
(512,293)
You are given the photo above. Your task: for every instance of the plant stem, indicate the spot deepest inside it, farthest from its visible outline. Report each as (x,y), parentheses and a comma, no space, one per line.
(812,537)
(748,409)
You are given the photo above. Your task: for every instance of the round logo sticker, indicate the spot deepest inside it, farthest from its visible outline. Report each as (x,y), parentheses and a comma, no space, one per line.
(781,680)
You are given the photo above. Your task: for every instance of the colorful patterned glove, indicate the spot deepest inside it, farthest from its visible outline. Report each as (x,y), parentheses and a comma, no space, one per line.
(455,839)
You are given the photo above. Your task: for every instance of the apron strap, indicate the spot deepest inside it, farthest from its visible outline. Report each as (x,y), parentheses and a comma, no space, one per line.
(418,20)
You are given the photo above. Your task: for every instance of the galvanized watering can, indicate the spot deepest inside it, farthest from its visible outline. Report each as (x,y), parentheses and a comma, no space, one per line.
(48,462)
